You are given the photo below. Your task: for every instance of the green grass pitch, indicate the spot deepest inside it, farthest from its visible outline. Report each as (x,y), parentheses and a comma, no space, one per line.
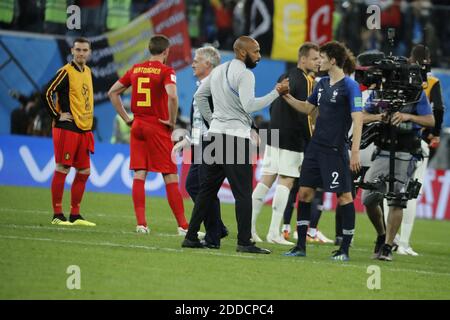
(117,263)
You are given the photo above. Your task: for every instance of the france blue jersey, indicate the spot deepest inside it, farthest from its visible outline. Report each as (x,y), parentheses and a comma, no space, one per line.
(336,104)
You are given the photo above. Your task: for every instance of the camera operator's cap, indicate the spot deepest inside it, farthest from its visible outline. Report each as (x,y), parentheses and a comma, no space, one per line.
(367,59)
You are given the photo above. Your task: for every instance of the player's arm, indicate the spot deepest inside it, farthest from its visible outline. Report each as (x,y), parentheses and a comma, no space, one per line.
(247,92)
(114,95)
(355,163)
(438,107)
(424,117)
(370,117)
(60,84)
(306,106)
(356,108)
(300,106)
(201,98)
(172,95)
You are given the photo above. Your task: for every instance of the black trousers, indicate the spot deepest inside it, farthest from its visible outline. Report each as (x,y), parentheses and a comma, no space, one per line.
(197,173)
(231,159)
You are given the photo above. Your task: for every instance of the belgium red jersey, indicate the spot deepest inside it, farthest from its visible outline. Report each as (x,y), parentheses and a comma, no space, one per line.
(148,81)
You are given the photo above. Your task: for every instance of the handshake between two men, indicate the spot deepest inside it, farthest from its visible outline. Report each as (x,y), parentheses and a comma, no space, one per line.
(283,87)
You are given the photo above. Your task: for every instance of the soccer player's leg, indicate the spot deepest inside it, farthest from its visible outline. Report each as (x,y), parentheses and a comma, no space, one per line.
(63,158)
(176,201)
(287,215)
(338,226)
(345,201)
(314,234)
(77,191)
(269,175)
(310,179)
(279,202)
(336,177)
(289,169)
(82,164)
(138,163)
(410,213)
(57,189)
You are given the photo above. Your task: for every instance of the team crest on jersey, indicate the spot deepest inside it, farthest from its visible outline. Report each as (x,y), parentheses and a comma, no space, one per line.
(67,156)
(333,98)
(85,93)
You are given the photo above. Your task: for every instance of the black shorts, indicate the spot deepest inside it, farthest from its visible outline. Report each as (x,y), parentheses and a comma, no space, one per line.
(327,168)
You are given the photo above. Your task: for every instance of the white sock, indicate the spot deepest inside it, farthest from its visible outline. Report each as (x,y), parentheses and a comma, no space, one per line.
(312,232)
(279,202)
(286,227)
(386,211)
(258,196)
(409,214)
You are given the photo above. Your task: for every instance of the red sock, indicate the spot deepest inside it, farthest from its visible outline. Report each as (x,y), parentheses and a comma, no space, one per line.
(58,190)
(176,204)
(138,193)
(77,191)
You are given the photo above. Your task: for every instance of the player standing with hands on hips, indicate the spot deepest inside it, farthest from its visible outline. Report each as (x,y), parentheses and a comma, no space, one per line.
(73,141)
(154,103)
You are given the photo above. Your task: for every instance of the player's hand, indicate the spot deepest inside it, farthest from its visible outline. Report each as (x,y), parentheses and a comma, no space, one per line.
(355,162)
(65,116)
(168,123)
(434,141)
(129,122)
(283,87)
(399,117)
(180,145)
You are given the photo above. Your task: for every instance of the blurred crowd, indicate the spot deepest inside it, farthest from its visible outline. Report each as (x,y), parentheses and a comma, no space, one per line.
(219,22)
(31,117)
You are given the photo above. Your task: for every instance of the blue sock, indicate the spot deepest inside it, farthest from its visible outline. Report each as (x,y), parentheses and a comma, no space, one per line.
(338,220)
(303,217)
(316,209)
(348,225)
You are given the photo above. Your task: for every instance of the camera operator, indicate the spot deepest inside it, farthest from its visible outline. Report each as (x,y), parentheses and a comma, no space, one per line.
(407,122)
(420,54)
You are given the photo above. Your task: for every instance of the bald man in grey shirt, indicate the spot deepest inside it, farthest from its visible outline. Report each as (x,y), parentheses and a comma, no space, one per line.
(232,87)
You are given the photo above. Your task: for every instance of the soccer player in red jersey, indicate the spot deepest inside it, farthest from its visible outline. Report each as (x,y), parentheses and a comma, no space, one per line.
(73,115)
(154,104)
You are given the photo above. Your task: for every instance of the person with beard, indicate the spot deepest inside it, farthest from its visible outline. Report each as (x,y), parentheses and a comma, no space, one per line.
(154,103)
(232,87)
(283,157)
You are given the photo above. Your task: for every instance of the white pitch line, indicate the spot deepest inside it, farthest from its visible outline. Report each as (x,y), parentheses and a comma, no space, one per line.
(91,231)
(46,212)
(84,230)
(127,246)
(211,252)
(119,216)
